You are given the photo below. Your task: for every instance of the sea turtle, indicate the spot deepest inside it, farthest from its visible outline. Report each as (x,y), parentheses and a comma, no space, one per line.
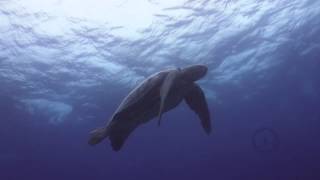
(157,94)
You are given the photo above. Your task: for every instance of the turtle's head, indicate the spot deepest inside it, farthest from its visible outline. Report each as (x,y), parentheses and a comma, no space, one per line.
(194,72)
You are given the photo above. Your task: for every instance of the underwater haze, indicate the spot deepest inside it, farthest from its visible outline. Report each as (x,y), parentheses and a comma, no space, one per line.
(65,66)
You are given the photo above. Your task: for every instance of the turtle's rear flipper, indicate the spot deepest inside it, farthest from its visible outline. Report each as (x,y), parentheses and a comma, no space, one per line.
(119,135)
(97,135)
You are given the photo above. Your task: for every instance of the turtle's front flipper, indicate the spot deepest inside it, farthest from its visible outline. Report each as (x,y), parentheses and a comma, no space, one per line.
(165,89)
(197,102)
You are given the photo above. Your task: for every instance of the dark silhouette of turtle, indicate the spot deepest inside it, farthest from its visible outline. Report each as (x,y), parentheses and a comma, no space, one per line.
(156,95)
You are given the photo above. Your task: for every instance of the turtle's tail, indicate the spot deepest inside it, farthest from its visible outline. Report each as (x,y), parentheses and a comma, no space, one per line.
(97,135)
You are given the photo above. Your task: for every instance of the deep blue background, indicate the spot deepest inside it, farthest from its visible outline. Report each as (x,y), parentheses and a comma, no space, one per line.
(282,97)
(178,149)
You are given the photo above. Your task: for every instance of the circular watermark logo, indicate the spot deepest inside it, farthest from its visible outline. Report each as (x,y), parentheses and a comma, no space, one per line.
(265,140)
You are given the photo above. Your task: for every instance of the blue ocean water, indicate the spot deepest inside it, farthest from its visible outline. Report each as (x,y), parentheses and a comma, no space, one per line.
(66,65)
